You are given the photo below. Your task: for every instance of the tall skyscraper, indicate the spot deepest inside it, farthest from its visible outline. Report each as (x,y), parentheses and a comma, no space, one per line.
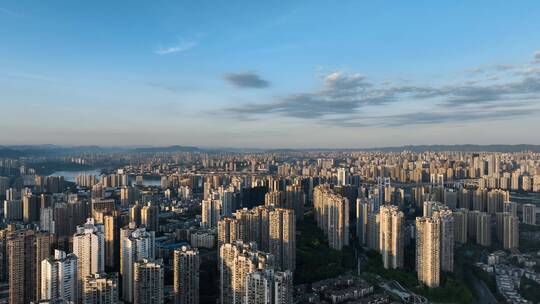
(343,176)
(112,224)
(483,229)
(236,261)
(211,212)
(148,281)
(283,238)
(128,195)
(186,275)
(460,225)
(264,286)
(496,199)
(373,232)
(150,217)
(255,226)
(89,247)
(446,239)
(295,198)
(493,165)
(428,231)
(529,214)
(275,199)
(510,207)
(259,286)
(136,244)
(135,214)
(283,287)
(499,226)
(391,236)
(430,246)
(332,215)
(229,200)
(59,277)
(102,205)
(511,231)
(229,231)
(363,208)
(100,288)
(25,250)
(31,208)
(13,210)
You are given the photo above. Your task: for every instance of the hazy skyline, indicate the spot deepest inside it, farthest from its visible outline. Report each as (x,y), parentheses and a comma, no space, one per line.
(284,74)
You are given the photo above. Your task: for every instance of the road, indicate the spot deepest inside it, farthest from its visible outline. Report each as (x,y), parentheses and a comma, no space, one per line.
(484,294)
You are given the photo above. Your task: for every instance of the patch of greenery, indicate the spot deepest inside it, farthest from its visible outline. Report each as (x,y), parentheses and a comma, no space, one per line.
(529,289)
(209,281)
(526,245)
(488,279)
(315,260)
(528,228)
(451,291)
(375,265)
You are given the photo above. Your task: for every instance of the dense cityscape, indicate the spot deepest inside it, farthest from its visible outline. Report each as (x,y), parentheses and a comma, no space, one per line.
(269,152)
(183,225)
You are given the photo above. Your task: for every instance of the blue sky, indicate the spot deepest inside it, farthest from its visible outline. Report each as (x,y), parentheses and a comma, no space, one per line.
(269,73)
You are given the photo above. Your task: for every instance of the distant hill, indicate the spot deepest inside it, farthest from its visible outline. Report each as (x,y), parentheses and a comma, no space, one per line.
(457,148)
(170,149)
(18,151)
(13,153)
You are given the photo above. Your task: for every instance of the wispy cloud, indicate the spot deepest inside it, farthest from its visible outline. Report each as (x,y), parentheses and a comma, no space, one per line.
(344,99)
(430,117)
(246,80)
(9,12)
(536,56)
(177,48)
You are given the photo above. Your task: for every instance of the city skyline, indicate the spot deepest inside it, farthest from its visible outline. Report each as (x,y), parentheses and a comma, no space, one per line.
(264,75)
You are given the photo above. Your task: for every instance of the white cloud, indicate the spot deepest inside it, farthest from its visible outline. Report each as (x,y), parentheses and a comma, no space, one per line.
(178,48)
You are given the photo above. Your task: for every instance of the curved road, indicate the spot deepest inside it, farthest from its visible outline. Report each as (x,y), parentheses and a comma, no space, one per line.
(484,294)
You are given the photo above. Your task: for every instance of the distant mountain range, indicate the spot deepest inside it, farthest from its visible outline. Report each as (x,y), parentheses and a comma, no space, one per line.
(464,148)
(170,149)
(17,151)
(54,150)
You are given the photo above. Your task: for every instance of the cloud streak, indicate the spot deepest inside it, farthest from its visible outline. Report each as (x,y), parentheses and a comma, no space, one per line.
(246,80)
(429,118)
(178,48)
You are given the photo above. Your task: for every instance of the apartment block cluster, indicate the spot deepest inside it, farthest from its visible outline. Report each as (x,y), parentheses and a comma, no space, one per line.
(122,234)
